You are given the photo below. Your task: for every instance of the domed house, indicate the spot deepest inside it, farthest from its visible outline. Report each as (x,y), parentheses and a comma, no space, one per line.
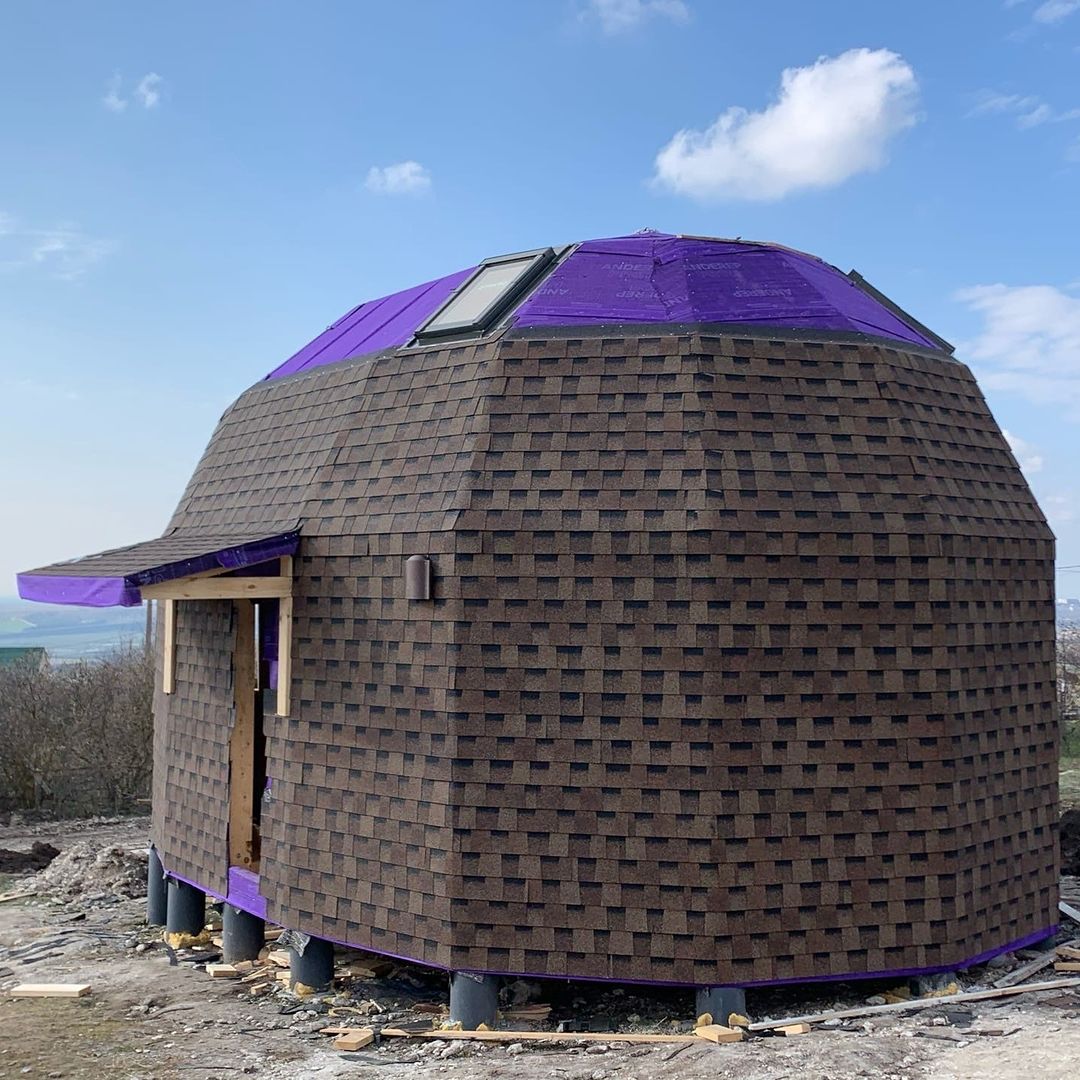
(658,608)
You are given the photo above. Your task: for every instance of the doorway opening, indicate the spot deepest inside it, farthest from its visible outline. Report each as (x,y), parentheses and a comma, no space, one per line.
(247,743)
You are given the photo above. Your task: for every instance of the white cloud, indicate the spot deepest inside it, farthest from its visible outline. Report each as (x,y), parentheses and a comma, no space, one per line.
(1028,110)
(1052,11)
(1028,455)
(621,16)
(1029,342)
(404,178)
(112,99)
(148,90)
(63,251)
(831,120)
(1060,510)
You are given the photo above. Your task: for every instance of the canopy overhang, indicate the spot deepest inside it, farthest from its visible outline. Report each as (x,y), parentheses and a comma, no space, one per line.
(117,578)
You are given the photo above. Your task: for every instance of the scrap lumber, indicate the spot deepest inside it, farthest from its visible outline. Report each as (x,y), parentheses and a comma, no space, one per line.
(222,971)
(279,957)
(718,1033)
(918,1003)
(17,895)
(1069,911)
(1067,965)
(53,990)
(1025,971)
(792,1029)
(539,1036)
(354,1039)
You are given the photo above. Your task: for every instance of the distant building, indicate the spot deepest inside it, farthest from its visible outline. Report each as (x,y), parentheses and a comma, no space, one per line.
(34,655)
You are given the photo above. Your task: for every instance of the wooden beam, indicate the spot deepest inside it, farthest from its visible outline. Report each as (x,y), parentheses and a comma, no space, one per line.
(541,1036)
(285,619)
(55,990)
(917,1003)
(220,588)
(168,647)
(242,740)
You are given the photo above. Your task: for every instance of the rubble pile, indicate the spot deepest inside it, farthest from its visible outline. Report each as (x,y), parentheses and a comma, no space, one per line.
(86,870)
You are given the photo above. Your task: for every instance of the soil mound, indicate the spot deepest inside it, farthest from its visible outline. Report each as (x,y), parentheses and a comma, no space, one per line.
(19,862)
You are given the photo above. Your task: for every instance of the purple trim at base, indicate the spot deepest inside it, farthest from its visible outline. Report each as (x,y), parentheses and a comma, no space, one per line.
(244,892)
(241,897)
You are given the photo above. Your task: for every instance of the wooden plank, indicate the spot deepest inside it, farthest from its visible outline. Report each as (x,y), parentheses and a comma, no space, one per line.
(222,971)
(1067,965)
(285,621)
(242,740)
(5,897)
(540,1036)
(354,1039)
(168,647)
(53,990)
(220,588)
(918,1003)
(793,1029)
(1069,911)
(1025,971)
(718,1033)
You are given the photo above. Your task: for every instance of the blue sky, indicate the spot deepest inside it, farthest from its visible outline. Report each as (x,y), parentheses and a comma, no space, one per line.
(190,192)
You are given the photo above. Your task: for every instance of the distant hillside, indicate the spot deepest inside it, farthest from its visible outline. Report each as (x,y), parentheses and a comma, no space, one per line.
(69,633)
(1068,612)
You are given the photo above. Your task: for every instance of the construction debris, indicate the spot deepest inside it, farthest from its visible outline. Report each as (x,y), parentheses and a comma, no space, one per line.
(354,1039)
(920,1003)
(545,1036)
(50,990)
(86,869)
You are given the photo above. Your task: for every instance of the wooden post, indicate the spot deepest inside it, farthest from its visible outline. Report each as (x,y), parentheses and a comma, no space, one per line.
(242,741)
(168,647)
(285,614)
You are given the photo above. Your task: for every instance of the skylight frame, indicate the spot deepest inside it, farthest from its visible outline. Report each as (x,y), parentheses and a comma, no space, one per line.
(534,264)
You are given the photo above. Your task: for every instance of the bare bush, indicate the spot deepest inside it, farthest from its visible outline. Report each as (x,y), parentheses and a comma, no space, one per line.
(77,739)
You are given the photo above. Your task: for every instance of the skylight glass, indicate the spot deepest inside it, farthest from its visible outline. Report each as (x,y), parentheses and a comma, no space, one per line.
(485,296)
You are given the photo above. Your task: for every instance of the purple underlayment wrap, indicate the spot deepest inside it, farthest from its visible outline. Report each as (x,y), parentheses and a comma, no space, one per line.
(648,277)
(655,277)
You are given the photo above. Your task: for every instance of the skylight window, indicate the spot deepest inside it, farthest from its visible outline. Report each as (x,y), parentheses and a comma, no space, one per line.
(487,294)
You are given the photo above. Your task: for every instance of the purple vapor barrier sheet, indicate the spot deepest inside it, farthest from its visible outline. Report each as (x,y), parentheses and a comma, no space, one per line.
(378,324)
(658,278)
(648,277)
(80,591)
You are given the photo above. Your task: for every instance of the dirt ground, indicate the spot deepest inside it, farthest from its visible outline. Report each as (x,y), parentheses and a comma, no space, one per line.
(148,1019)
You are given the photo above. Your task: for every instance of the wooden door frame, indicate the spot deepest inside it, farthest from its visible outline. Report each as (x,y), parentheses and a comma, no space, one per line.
(242,740)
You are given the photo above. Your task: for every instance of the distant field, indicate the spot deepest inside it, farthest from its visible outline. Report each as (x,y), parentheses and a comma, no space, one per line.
(69,633)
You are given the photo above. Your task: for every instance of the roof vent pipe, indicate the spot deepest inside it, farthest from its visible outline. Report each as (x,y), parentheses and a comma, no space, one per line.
(418,577)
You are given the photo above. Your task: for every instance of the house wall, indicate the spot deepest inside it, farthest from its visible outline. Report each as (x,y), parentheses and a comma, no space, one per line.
(739,666)
(190,813)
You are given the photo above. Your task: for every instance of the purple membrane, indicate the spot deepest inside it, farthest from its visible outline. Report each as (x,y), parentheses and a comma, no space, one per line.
(648,277)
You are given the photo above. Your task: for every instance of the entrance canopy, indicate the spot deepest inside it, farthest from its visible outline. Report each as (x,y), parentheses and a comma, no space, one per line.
(116,578)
